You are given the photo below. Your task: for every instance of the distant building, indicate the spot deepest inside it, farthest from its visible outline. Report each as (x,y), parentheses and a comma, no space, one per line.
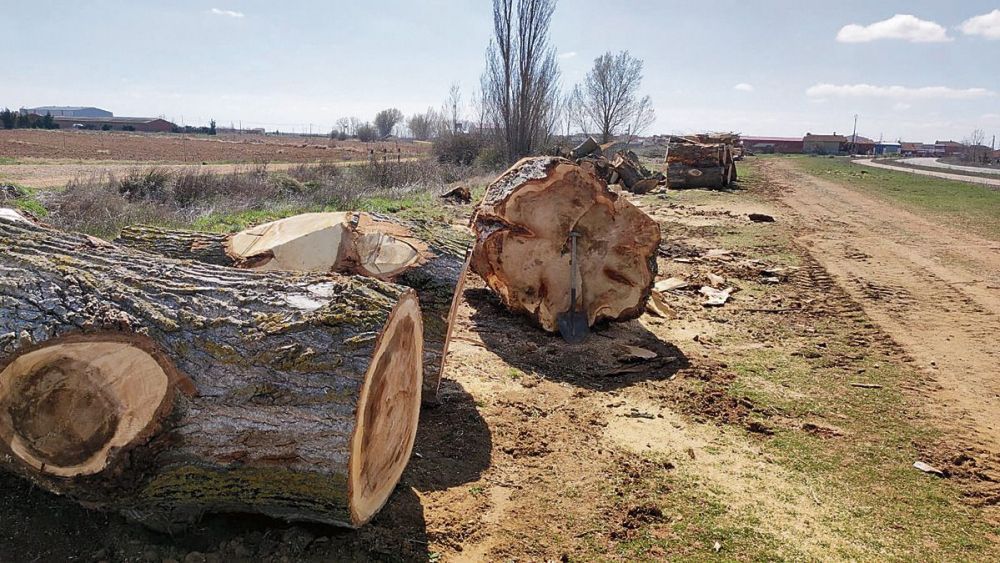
(920,149)
(67,111)
(882,149)
(823,144)
(145,124)
(949,148)
(768,145)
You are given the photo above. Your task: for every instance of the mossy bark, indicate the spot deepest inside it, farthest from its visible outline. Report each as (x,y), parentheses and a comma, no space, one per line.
(272,367)
(436,277)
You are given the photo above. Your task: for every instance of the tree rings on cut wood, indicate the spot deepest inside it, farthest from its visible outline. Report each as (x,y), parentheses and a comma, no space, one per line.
(388,412)
(522,249)
(65,405)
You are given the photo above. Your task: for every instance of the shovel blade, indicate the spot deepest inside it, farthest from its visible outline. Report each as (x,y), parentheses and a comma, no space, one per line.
(573,326)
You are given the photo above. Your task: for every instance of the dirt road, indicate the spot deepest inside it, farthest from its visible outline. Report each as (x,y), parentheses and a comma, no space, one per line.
(934,289)
(993,182)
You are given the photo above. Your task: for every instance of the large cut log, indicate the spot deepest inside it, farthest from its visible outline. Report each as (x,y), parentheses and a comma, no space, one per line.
(166,389)
(634,177)
(522,229)
(347,242)
(374,239)
(681,176)
(588,147)
(695,155)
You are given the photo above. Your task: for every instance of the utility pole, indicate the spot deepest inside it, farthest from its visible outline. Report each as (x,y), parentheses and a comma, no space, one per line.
(854,136)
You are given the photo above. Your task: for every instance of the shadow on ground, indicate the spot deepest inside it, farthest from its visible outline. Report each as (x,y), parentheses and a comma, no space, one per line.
(452,448)
(601,363)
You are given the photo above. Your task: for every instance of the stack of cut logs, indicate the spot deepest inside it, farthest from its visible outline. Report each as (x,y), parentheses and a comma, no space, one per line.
(701,161)
(614,164)
(278,370)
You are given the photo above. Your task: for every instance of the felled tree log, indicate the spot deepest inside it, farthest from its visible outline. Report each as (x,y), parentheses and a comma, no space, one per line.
(166,389)
(345,242)
(695,155)
(681,176)
(586,148)
(364,240)
(633,175)
(522,229)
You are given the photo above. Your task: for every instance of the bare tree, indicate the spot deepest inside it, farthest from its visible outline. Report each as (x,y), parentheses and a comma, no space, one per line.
(452,108)
(520,90)
(572,112)
(385,120)
(479,106)
(644,117)
(366,132)
(422,124)
(975,151)
(343,125)
(610,98)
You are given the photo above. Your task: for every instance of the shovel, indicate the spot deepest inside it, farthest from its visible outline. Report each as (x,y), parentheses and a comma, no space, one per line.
(573,323)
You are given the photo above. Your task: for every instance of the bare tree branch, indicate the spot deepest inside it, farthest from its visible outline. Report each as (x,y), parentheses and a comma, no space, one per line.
(519,86)
(610,99)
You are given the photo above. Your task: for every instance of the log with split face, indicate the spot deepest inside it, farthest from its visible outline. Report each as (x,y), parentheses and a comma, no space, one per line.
(523,248)
(167,389)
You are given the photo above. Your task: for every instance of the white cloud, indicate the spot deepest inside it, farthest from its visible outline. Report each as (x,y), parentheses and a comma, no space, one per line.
(900,106)
(227,13)
(987,25)
(990,116)
(568,55)
(896,92)
(901,26)
(744,87)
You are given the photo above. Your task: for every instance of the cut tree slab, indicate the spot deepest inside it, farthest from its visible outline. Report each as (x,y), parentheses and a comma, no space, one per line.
(522,229)
(429,257)
(166,389)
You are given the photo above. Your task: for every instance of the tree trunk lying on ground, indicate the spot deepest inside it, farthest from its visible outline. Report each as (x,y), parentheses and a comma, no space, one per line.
(166,389)
(681,176)
(522,230)
(632,175)
(346,242)
(352,242)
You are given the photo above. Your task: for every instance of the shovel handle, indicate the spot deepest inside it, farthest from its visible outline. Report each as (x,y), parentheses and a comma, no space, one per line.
(573,235)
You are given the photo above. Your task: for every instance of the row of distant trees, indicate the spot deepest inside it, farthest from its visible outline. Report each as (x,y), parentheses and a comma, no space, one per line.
(17,120)
(520,106)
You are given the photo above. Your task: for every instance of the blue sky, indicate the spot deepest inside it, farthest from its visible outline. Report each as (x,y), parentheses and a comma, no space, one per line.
(291,64)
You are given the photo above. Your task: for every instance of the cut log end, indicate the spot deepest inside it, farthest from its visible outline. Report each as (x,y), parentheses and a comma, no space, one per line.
(310,242)
(66,407)
(388,412)
(522,250)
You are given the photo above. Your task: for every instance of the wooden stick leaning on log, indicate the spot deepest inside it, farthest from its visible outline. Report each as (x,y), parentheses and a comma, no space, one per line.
(427,257)
(522,229)
(166,389)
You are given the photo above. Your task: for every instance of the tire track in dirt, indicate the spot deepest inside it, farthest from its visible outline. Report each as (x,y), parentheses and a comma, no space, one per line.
(932,288)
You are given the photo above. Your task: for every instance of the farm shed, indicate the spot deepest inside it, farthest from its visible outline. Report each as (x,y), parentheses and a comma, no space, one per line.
(822,144)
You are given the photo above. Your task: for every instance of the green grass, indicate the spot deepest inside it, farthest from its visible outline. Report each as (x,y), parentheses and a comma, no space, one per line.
(970,206)
(6,160)
(28,201)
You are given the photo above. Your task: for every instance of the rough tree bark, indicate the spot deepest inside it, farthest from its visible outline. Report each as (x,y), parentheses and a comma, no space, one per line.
(165,389)
(522,229)
(436,273)
(682,176)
